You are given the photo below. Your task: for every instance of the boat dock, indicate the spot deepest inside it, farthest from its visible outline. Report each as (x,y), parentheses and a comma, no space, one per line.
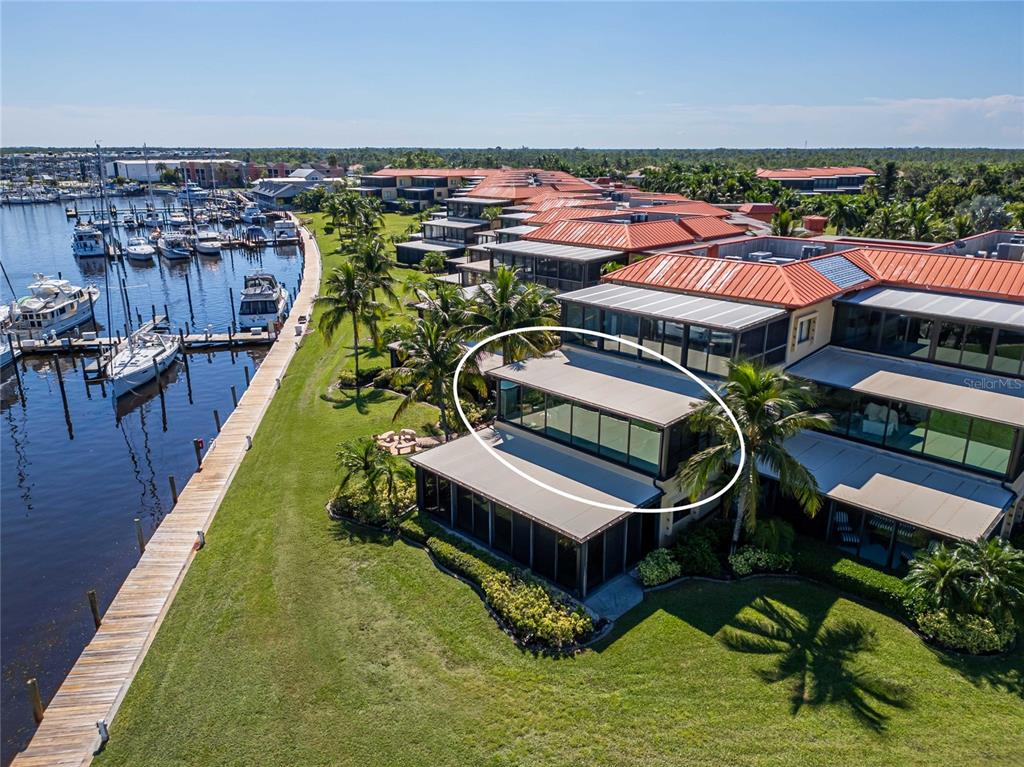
(75,723)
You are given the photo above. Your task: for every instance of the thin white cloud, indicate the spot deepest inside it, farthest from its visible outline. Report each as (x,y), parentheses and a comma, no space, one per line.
(996,121)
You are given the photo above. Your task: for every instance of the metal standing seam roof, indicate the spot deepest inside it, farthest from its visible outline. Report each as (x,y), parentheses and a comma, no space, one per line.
(943,500)
(938,271)
(615,385)
(824,172)
(520,230)
(793,285)
(601,234)
(469,465)
(481,200)
(421,245)
(921,383)
(529,247)
(698,310)
(709,227)
(451,223)
(986,311)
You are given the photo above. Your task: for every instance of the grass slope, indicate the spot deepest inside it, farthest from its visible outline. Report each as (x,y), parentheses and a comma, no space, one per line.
(295,640)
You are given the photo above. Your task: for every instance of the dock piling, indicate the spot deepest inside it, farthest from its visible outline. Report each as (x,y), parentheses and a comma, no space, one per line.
(234,396)
(231,300)
(216,419)
(174,489)
(245,370)
(37,701)
(94,607)
(140,536)
(198,445)
(17,373)
(188,294)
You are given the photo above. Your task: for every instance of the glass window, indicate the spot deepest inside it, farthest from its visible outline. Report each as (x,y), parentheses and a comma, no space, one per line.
(532,406)
(699,339)
(595,561)
(911,425)
(521,539)
(977,342)
(778,332)
(652,334)
(951,339)
(990,446)
(720,352)
(559,418)
(464,511)
(571,270)
(675,341)
(644,446)
(591,321)
(584,427)
(544,551)
(509,393)
(1009,350)
(856,327)
(634,538)
(567,568)
(947,435)
(437,497)
(872,419)
(614,541)
(547,267)
(502,529)
(894,335)
(752,342)
(625,326)
(614,437)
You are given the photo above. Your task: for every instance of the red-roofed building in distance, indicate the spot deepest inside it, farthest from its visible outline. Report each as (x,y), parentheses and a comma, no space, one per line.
(834,180)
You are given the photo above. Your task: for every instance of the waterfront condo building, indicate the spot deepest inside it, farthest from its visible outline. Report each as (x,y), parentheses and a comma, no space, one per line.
(917,355)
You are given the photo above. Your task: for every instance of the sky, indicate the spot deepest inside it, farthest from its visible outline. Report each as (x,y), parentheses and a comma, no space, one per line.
(542,74)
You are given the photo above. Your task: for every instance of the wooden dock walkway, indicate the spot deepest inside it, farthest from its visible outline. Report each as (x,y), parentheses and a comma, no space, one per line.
(93,690)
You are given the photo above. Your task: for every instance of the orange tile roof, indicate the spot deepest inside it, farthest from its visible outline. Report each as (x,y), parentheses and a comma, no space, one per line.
(792,285)
(798,283)
(710,228)
(686,207)
(939,272)
(600,234)
(541,203)
(566,212)
(446,172)
(826,172)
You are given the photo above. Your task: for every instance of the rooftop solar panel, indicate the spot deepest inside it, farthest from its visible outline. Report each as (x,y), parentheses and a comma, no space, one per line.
(839,270)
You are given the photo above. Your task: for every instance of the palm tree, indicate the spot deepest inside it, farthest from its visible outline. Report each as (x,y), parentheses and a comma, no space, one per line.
(783,223)
(491,214)
(331,207)
(919,222)
(364,460)
(995,577)
(770,407)
(430,353)
(371,257)
(446,305)
(506,303)
(347,293)
(843,213)
(937,576)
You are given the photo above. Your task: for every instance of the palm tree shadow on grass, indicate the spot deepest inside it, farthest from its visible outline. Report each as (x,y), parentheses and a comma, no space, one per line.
(818,661)
(361,402)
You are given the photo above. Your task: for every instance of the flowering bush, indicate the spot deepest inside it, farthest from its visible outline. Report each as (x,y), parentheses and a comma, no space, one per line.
(973,634)
(658,567)
(752,560)
(533,613)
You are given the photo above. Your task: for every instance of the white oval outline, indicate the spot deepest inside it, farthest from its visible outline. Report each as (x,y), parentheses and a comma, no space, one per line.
(616,339)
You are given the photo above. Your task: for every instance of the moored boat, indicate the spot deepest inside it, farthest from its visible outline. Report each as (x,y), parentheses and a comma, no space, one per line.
(138,249)
(264,300)
(87,242)
(54,306)
(144,356)
(174,246)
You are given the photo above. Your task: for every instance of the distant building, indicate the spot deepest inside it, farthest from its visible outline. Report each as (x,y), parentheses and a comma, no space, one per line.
(205,172)
(834,180)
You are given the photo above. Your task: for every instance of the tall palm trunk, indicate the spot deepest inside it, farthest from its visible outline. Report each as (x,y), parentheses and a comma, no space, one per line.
(738,527)
(438,388)
(355,350)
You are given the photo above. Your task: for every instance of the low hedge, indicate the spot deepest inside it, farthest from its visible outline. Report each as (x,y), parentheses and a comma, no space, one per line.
(974,634)
(533,614)
(821,562)
(660,566)
(751,559)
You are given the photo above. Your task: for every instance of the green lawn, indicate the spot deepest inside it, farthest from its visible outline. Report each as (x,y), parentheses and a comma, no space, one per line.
(298,641)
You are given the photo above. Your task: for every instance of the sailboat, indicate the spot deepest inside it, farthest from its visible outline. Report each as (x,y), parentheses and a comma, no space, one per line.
(144,356)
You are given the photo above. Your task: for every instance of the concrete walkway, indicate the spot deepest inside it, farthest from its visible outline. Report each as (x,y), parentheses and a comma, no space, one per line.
(615,598)
(97,683)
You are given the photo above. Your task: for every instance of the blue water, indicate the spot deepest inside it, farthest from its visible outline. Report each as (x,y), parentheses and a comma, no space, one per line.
(71,487)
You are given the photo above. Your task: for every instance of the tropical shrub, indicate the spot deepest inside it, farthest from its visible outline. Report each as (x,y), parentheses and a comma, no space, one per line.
(695,553)
(773,534)
(754,560)
(821,562)
(974,634)
(355,501)
(658,567)
(533,613)
(529,609)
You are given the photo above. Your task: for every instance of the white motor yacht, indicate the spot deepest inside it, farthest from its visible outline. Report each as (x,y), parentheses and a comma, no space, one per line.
(284,231)
(177,219)
(151,219)
(54,306)
(207,243)
(264,300)
(87,242)
(174,246)
(139,249)
(250,212)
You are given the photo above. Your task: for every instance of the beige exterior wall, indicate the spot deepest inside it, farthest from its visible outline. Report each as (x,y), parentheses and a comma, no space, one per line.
(822,314)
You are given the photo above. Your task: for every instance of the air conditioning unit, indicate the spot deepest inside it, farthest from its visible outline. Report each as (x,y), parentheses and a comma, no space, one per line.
(810,251)
(757,255)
